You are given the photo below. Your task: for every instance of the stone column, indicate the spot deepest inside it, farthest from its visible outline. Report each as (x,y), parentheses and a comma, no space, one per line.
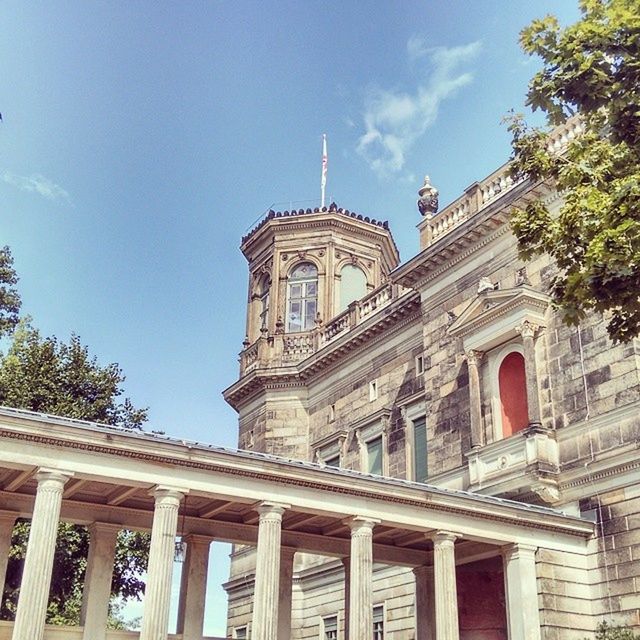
(97,582)
(346,563)
(7,522)
(475,401)
(361,592)
(287,557)
(266,591)
(155,617)
(445,586)
(193,587)
(38,564)
(425,604)
(528,332)
(522,592)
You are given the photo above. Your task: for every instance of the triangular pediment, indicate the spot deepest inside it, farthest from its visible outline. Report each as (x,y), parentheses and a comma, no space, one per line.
(497,306)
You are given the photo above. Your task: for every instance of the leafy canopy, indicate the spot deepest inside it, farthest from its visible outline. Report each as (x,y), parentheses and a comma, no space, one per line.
(46,375)
(591,70)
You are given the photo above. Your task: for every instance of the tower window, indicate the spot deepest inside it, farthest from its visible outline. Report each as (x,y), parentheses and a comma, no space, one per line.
(265,285)
(353,285)
(302,298)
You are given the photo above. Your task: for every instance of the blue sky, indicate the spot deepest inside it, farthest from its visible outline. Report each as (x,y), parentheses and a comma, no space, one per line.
(141,140)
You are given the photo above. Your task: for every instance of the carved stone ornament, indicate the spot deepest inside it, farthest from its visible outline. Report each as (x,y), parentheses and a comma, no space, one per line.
(546,492)
(485,285)
(527,329)
(428,200)
(522,277)
(285,257)
(474,357)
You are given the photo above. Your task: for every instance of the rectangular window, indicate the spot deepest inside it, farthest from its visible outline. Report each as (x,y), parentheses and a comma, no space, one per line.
(373,390)
(332,412)
(378,623)
(420,449)
(240,633)
(330,627)
(419,365)
(374,456)
(333,462)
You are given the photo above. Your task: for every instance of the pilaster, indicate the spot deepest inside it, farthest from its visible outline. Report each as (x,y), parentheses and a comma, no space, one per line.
(97,582)
(193,587)
(521,590)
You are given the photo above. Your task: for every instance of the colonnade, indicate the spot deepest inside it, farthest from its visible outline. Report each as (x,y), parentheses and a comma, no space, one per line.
(436,598)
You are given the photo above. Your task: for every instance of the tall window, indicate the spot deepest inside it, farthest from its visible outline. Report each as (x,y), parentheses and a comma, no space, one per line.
(420,449)
(330,625)
(374,456)
(353,285)
(513,394)
(302,298)
(378,623)
(265,285)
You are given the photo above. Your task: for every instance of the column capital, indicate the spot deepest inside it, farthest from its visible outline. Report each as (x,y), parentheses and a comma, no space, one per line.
(359,523)
(271,510)
(440,537)
(423,570)
(196,539)
(53,476)
(516,551)
(8,516)
(104,527)
(168,494)
(528,329)
(473,357)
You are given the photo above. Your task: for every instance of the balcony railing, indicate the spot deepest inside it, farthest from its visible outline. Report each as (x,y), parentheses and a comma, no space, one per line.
(481,194)
(287,348)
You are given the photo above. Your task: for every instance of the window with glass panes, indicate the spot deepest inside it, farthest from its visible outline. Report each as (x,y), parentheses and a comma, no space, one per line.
(330,628)
(378,623)
(241,633)
(265,285)
(420,449)
(302,296)
(374,456)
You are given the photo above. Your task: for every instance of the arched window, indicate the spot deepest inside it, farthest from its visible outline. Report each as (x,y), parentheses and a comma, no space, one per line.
(263,305)
(302,298)
(353,285)
(513,394)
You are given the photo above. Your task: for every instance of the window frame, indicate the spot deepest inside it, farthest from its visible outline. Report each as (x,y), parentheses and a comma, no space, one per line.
(323,626)
(412,413)
(371,428)
(306,323)
(383,608)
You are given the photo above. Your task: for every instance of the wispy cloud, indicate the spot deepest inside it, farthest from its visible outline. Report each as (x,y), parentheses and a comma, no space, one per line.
(35,183)
(395,120)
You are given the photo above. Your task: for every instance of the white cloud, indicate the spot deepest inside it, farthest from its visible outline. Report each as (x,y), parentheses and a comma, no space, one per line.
(35,183)
(395,120)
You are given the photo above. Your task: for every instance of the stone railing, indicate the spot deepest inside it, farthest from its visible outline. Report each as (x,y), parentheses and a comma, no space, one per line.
(286,348)
(481,194)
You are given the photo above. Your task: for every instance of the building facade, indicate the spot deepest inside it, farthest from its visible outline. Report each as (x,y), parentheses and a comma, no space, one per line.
(452,369)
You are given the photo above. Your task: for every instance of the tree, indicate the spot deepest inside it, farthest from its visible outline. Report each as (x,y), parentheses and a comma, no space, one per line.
(607,631)
(9,296)
(46,375)
(591,70)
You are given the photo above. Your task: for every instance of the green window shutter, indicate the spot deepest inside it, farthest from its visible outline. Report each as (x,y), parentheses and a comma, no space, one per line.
(420,449)
(374,456)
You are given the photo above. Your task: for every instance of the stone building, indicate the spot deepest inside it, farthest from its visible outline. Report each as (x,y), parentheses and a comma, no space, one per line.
(451,369)
(426,451)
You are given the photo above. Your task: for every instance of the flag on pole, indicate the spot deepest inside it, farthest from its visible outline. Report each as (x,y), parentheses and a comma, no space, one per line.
(325,161)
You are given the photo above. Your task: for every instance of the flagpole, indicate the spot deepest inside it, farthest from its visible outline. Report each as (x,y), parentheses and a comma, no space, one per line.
(323,180)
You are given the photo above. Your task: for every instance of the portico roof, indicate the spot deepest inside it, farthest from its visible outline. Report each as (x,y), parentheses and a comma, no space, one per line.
(114,471)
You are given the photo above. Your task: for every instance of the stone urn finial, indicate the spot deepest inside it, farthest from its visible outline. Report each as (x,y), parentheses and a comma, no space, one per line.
(428,200)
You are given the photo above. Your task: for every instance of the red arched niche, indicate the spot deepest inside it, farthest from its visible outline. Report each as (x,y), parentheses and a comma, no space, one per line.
(513,394)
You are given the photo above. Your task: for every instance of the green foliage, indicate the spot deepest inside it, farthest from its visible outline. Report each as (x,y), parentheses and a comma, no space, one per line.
(50,376)
(590,69)
(607,631)
(45,375)
(9,296)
